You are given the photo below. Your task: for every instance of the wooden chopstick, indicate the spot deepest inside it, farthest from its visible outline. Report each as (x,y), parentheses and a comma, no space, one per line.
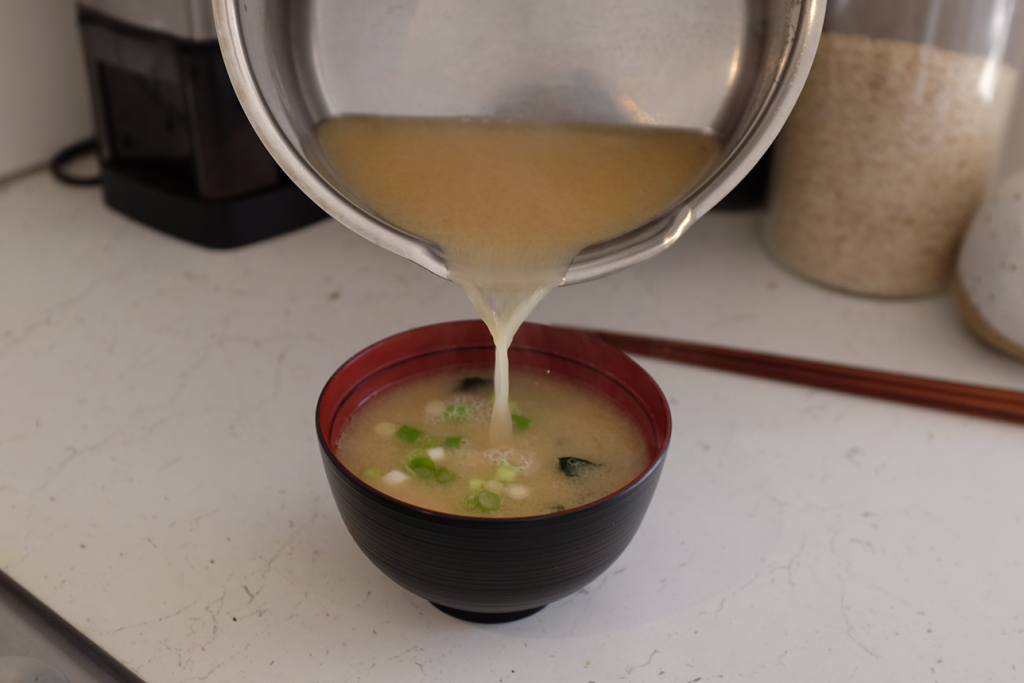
(997,404)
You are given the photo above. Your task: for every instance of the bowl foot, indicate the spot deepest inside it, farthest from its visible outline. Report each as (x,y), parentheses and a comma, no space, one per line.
(488,617)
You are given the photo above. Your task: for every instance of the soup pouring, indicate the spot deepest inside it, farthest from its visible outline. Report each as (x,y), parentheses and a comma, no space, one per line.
(729,69)
(511,147)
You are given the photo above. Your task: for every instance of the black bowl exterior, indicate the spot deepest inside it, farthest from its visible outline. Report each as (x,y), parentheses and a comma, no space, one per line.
(492,565)
(489,565)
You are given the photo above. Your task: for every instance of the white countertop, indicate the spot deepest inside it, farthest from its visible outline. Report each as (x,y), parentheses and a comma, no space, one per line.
(162,489)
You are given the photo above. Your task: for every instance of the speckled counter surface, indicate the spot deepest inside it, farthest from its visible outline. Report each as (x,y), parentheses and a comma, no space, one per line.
(161,487)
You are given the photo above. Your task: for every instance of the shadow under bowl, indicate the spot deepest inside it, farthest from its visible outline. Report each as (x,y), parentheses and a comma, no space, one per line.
(501,569)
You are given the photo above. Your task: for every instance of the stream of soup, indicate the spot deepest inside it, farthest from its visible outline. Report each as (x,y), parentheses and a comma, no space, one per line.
(511,203)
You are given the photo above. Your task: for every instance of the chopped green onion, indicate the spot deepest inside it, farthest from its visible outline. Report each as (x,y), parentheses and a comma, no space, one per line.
(456,413)
(485,500)
(408,434)
(505,473)
(476,484)
(488,500)
(445,475)
(453,442)
(424,468)
(520,423)
(371,473)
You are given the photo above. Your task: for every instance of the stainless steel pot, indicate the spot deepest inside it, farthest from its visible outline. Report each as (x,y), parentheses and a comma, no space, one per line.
(731,67)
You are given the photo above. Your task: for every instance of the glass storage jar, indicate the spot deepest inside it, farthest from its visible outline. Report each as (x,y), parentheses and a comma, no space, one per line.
(888,151)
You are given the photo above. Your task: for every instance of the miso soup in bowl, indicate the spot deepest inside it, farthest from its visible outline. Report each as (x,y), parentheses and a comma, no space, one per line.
(492,532)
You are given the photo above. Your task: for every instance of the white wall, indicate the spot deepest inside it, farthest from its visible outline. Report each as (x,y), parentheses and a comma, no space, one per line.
(44,96)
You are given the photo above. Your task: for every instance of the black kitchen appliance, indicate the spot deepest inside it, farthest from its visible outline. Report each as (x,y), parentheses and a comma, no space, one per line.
(176,149)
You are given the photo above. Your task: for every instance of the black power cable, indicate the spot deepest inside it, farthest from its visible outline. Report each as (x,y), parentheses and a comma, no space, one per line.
(69,154)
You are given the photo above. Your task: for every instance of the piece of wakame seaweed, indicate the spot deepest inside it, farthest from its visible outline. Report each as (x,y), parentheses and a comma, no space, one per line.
(573,467)
(474,384)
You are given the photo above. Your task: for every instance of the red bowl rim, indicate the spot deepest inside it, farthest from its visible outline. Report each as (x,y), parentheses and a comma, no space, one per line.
(469,334)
